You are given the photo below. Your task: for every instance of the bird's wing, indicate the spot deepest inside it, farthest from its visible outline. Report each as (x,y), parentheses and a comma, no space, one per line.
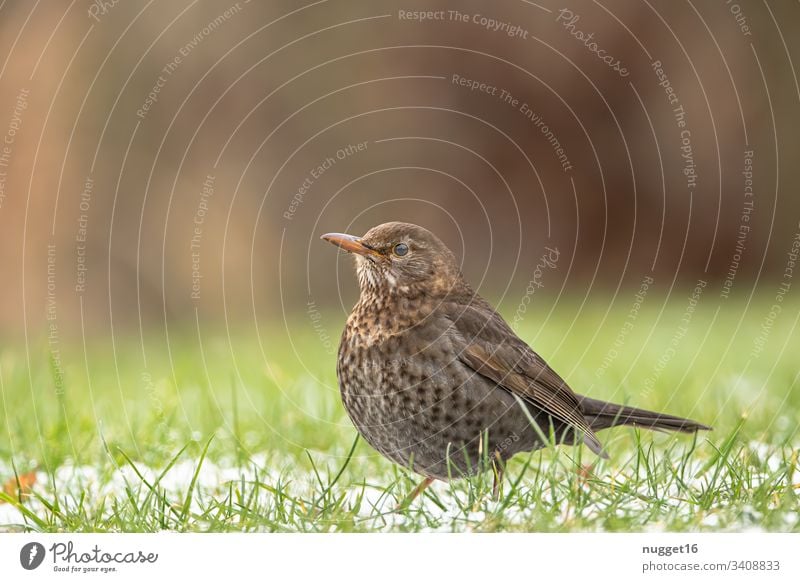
(492,349)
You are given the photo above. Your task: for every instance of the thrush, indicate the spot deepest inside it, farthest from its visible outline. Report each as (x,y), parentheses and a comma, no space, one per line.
(437,381)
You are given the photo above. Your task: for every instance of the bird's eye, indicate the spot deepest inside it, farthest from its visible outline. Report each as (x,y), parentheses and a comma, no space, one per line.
(400,249)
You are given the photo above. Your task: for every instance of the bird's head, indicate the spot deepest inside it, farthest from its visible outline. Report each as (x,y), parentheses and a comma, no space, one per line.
(400,258)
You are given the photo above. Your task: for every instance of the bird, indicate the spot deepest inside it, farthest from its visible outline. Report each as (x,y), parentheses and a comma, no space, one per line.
(437,381)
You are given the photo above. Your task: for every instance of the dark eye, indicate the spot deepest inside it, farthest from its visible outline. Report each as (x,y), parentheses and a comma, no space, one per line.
(400,249)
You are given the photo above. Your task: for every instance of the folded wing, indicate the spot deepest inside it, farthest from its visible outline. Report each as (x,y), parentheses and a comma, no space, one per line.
(493,350)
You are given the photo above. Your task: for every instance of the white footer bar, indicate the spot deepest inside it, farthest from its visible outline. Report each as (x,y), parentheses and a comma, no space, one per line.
(385,557)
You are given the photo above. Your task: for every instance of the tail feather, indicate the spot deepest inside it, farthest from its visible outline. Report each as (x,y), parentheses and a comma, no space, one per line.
(600,415)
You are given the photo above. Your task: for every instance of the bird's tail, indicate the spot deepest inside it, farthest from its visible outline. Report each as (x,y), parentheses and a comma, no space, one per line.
(600,415)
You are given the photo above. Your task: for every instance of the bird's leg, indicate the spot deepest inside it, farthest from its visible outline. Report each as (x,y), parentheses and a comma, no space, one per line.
(497,470)
(415,493)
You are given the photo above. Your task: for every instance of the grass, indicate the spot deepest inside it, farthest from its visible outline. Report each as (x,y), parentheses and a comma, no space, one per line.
(207,433)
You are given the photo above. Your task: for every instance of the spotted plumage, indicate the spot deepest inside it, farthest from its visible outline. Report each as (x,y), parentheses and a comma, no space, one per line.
(436,380)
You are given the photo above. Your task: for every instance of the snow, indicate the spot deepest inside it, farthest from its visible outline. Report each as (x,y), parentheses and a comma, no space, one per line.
(377,508)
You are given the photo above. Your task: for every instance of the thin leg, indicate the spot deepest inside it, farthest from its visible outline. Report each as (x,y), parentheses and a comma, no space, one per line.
(497,469)
(415,493)
(585,473)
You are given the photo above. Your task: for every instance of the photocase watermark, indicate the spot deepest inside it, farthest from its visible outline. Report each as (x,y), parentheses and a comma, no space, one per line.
(539,123)
(6,148)
(491,24)
(548,260)
(99,8)
(51,315)
(677,337)
(739,17)
(678,112)
(744,225)
(627,326)
(317,172)
(66,558)
(687,152)
(792,255)
(526,110)
(392,365)
(173,65)
(507,442)
(665,83)
(568,19)
(316,322)
(152,395)
(197,234)
(82,235)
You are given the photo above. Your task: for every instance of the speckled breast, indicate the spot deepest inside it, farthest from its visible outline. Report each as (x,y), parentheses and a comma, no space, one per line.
(416,403)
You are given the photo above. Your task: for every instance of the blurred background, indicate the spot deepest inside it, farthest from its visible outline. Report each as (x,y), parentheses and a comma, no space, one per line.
(174,163)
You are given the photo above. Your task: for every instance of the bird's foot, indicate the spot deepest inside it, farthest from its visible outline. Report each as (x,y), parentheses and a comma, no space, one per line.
(415,493)
(497,470)
(585,472)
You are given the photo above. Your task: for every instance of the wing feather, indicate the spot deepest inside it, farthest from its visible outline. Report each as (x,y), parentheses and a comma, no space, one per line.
(493,350)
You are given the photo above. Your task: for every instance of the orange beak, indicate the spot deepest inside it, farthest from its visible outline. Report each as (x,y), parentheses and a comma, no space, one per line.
(350,243)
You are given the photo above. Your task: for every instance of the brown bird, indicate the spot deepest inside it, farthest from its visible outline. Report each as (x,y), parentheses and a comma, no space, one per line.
(437,381)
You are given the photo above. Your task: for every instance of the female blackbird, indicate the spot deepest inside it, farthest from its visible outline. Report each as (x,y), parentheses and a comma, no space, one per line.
(436,380)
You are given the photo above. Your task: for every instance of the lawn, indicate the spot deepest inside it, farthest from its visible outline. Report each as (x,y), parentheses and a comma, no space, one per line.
(239,431)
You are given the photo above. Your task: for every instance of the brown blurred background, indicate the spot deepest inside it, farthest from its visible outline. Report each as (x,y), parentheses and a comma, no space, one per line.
(162,155)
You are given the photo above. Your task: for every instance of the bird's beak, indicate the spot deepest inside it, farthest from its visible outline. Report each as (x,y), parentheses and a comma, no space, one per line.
(350,243)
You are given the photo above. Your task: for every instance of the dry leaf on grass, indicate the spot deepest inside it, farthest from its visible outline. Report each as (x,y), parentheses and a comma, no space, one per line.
(19,486)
